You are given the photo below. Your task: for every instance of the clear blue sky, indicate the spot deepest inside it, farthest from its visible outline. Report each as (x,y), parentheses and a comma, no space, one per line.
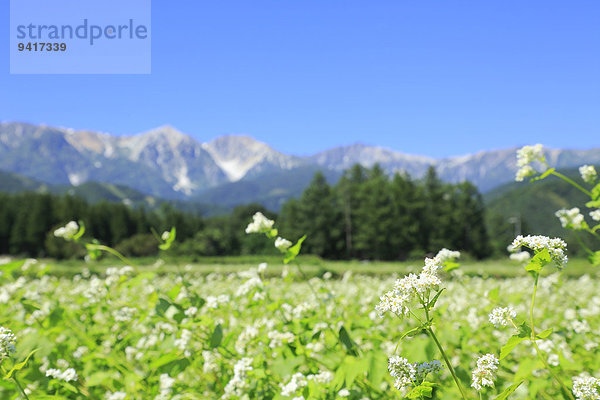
(436,78)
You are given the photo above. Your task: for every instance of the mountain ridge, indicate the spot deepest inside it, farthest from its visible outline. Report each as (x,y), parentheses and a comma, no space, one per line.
(168,163)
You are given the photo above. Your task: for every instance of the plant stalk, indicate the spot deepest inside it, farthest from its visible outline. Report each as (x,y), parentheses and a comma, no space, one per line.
(462,392)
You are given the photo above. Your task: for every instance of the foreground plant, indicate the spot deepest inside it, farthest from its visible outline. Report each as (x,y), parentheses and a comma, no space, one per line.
(415,296)
(573,218)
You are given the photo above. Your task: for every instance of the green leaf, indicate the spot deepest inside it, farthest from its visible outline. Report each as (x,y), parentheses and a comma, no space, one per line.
(435,298)
(19,366)
(293,251)
(524,330)
(544,175)
(595,258)
(169,240)
(510,345)
(425,389)
(450,266)
(596,192)
(593,204)
(347,341)
(544,334)
(216,337)
(539,260)
(508,390)
(162,306)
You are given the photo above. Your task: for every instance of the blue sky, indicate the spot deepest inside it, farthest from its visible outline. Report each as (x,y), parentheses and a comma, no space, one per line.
(433,78)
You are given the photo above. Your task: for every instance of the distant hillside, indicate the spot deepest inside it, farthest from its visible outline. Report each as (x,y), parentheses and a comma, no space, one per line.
(533,204)
(271,189)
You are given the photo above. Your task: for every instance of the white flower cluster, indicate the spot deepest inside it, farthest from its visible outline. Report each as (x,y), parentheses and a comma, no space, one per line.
(323,377)
(446,255)
(282,244)
(485,373)
(259,224)
(215,301)
(521,256)
(408,374)
(210,361)
(165,387)
(297,381)
(595,215)
(408,288)
(556,247)
(525,156)
(279,338)
(124,314)
(238,382)
(115,396)
(67,375)
(8,340)
(501,316)
(571,218)
(588,173)
(586,388)
(68,231)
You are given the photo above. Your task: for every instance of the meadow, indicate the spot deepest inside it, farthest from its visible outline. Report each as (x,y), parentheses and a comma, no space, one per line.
(297,327)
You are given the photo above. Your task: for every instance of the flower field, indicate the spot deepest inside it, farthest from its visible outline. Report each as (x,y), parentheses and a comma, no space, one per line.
(122,335)
(436,332)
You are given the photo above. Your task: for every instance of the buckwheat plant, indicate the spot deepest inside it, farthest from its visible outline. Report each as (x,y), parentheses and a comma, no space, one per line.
(8,341)
(572,218)
(415,296)
(552,250)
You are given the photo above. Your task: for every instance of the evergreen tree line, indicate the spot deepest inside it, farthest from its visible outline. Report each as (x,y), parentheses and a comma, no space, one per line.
(366,215)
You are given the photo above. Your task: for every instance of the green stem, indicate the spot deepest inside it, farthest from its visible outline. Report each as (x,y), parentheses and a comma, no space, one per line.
(447,363)
(111,251)
(537,349)
(572,182)
(19,385)
(583,244)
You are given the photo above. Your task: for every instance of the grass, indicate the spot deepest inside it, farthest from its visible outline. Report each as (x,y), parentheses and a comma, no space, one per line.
(311,265)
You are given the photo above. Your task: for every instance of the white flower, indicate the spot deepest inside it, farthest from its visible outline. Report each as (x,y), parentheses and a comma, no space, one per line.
(68,231)
(485,373)
(344,393)
(520,256)
(595,215)
(68,375)
(262,267)
(323,377)
(556,247)
(571,218)
(445,255)
(7,342)
(191,312)
(115,396)
(298,381)
(524,172)
(528,154)
(238,382)
(408,374)
(412,286)
(588,173)
(259,224)
(282,244)
(586,388)
(501,316)
(165,235)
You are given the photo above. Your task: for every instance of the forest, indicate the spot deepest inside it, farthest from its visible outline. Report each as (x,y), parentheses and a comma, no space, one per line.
(365,215)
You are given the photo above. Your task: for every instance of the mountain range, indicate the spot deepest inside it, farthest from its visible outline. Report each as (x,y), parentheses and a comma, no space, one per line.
(229,170)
